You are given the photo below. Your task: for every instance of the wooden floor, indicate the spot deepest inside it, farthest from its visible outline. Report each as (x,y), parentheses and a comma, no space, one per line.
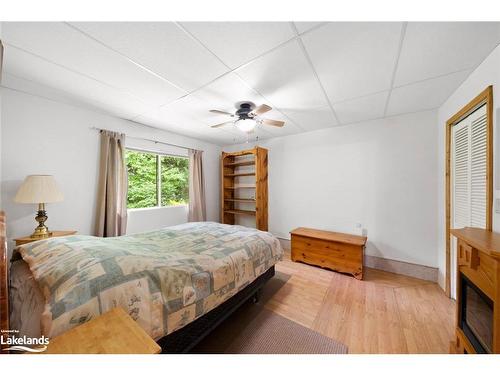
(384,313)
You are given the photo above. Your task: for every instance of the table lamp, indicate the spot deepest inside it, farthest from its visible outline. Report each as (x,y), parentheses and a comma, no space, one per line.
(39,189)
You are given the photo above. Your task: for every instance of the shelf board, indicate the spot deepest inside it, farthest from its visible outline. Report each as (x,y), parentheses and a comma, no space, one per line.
(240,187)
(236,154)
(240,212)
(240,163)
(240,200)
(239,174)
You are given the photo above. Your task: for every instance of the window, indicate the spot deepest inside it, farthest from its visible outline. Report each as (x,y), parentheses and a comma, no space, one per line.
(156,180)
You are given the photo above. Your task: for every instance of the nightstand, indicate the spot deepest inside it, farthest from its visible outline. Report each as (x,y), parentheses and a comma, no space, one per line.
(114,332)
(55,233)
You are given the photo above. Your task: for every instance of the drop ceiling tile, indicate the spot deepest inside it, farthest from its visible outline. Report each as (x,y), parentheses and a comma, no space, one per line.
(305,26)
(361,109)
(192,113)
(160,46)
(431,49)
(189,114)
(34,88)
(186,112)
(71,85)
(256,136)
(236,43)
(354,59)
(289,128)
(223,136)
(285,78)
(61,44)
(424,95)
(312,118)
(259,134)
(216,137)
(154,120)
(225,92)
(230,89)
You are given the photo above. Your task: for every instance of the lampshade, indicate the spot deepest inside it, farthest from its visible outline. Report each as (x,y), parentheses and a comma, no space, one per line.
(246,125)
(39,189)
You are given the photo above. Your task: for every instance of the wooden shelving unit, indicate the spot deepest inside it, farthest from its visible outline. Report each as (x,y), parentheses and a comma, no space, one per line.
(240,212)
(240,164)
(232,188)
(241,200)
(239,174)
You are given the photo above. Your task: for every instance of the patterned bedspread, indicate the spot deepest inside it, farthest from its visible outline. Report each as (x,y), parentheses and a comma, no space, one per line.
(164,279)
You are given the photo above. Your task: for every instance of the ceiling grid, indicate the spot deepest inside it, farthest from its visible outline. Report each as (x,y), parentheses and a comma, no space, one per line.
(315,75)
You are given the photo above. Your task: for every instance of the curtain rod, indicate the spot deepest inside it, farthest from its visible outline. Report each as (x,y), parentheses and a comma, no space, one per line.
(147,139)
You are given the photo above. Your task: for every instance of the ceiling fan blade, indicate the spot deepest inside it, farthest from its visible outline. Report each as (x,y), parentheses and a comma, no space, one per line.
(221,112)
(221,124)
(277,123)
(263,108)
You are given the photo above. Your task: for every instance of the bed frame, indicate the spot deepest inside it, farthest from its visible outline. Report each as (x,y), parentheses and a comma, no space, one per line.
(186,338)
(180,341)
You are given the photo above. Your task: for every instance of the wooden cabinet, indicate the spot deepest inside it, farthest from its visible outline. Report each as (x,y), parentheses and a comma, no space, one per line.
(244,186)
(478,269)
(336,251)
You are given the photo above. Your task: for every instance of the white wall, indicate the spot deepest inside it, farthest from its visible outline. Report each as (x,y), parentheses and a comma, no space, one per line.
(488,73)
(144,219)
(41,136)
(381,174)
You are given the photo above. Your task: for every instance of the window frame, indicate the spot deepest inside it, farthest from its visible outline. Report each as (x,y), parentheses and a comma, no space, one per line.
(158,155)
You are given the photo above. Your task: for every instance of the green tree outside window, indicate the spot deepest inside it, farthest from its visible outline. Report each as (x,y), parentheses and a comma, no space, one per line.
(145,189)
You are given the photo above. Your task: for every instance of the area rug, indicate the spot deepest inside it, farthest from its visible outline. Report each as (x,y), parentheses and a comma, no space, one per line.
(253,329)
(270,333)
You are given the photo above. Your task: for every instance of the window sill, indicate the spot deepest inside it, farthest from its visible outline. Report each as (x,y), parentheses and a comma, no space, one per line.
(155,208)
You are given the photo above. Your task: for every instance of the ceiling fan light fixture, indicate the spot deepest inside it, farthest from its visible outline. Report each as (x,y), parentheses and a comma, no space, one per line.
(246,125)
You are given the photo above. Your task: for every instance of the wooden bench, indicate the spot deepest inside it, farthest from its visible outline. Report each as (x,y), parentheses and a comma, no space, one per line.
(336,251)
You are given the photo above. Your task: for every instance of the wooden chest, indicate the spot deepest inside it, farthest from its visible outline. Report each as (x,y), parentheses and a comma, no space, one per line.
(336,251)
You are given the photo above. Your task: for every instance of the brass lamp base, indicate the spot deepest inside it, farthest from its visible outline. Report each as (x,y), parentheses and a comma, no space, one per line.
(38,233)
(41,231)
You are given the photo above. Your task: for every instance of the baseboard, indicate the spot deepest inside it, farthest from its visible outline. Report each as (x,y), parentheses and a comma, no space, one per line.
(403,268)
(395,266)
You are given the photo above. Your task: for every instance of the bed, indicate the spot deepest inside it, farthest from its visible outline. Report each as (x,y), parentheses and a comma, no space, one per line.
(177,283)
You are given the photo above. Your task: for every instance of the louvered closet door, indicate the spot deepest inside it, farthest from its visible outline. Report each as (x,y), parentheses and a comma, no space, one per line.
(478,168)
(468,160)
(469,171)
(461,171)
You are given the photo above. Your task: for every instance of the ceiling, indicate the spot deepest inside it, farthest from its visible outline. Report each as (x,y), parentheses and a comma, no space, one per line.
(315,75)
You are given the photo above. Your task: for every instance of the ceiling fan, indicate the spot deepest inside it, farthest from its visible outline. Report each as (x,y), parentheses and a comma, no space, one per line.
(247,117)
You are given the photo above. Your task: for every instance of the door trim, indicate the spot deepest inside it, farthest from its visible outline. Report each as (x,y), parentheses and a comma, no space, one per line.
(485,97)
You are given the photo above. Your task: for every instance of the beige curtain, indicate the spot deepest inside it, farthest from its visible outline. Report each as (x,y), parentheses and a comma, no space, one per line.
(197,205)
(111,213)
